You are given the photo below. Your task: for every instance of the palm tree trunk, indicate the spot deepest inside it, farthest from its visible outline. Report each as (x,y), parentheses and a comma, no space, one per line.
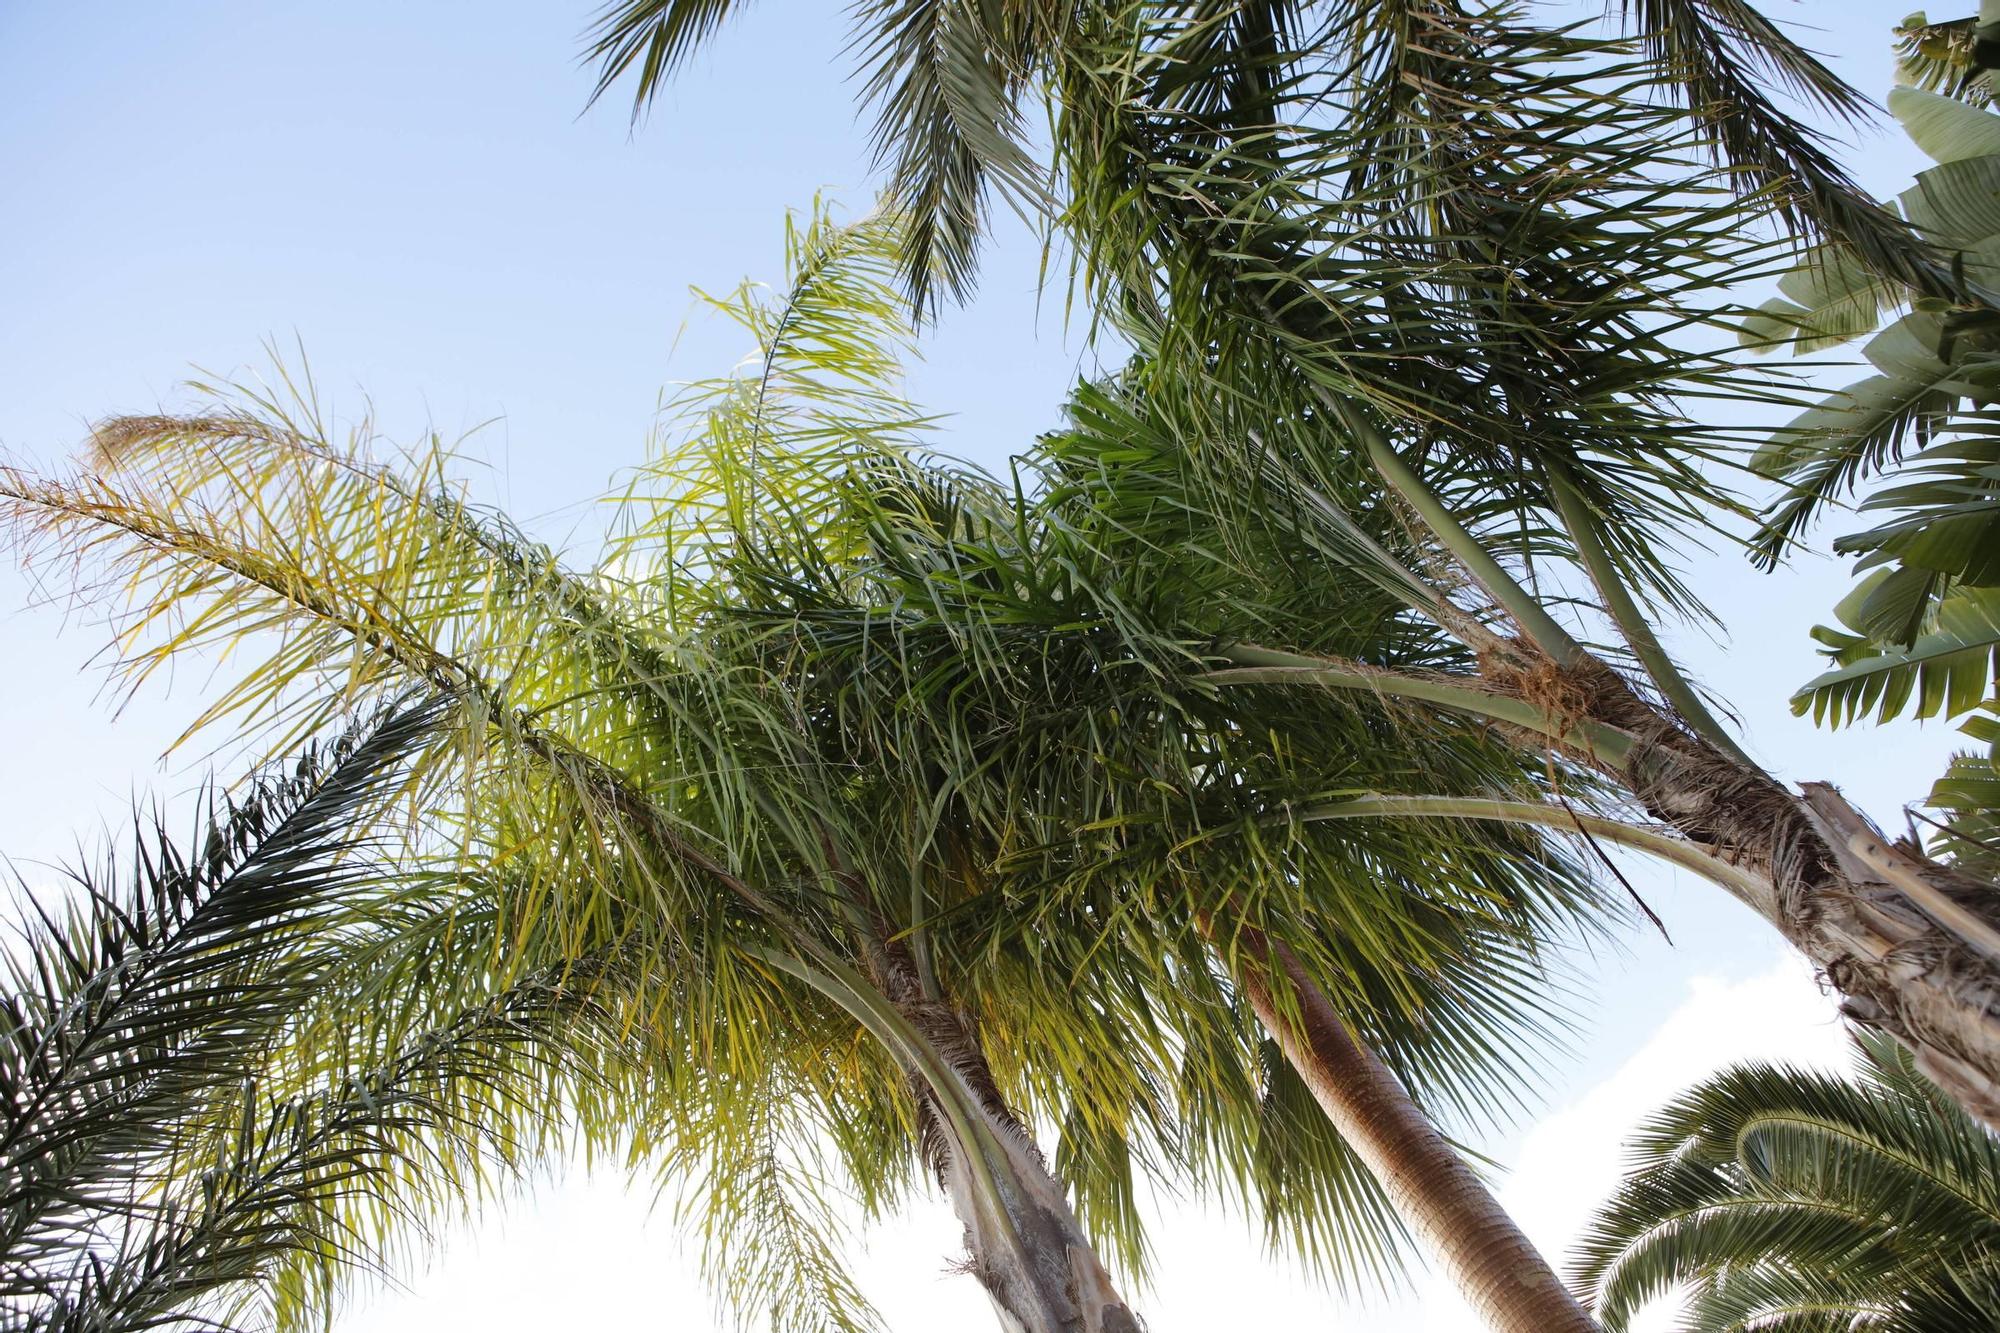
(1912,946)
(1025,1243)
(1031,1254)
(1499,1271)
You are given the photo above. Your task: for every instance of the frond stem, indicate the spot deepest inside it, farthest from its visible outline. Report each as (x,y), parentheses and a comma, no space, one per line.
(1520,604)
(1265,666)
(1680,852)
(848,989)
(1624,611)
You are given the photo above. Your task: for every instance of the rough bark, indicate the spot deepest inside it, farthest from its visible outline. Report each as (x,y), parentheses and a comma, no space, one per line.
(1032,1255)
(1912,946)
(1499,1271)
(1909,944)
(1045,1277)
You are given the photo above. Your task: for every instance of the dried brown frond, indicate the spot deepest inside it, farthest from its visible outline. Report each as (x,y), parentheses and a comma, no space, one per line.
(115,441)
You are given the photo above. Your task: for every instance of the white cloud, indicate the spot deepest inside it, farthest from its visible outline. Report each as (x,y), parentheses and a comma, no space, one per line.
(1568,1157)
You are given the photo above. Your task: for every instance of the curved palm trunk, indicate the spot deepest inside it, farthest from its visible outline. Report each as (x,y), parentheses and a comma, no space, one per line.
(1499,1271)
(1913,946)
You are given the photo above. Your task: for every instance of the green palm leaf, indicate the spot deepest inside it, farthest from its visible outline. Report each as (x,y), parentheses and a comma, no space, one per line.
(1778,1198)
(1946,671)
(945,78)
(133,1012)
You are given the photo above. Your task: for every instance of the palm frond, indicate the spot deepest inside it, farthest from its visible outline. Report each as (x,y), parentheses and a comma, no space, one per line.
(129,1011)
(945,79)
(1870,425)
(1783,1197)
(656,36)
(1723,57)
(293,1197)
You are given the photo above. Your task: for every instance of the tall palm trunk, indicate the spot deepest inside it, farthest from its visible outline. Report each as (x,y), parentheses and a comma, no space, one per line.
(1498,1270)
(1026,1246)
(1912,945)
(1023,1241)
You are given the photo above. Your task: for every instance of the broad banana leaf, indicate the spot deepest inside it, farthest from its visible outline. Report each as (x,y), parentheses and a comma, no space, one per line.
(1947,129)
(1947,671)
(1833,297)
(1947,506)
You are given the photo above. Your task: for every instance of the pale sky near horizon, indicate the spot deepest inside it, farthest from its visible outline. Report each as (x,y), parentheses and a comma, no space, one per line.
(409,192)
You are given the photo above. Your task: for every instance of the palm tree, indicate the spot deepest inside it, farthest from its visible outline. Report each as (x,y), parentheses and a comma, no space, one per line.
(1439,261)
(1002,648)
(636,792)
(856,906)
(163,1154)
(1783,1198)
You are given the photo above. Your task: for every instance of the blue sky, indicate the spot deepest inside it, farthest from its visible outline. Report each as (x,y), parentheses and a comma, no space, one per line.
(411,193)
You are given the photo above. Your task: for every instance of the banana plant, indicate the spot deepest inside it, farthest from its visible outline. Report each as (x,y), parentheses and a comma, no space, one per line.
(1917,635)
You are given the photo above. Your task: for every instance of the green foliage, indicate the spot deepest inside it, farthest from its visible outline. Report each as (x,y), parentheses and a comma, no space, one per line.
(1938,58)
(1784,1199)
(948,79)
(1919,630)
(168,1152)
(945,80)
(1935,367)
(1947,671)
(1968,795)
(891,798)
(837,737)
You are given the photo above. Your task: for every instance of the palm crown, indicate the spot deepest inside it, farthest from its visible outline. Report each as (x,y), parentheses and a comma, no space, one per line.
(866,806)
(1455,263)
